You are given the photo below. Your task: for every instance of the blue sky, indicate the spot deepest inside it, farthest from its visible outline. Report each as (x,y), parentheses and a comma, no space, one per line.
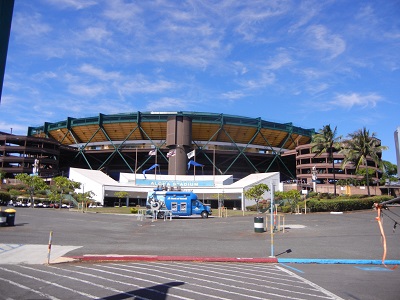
(311,63)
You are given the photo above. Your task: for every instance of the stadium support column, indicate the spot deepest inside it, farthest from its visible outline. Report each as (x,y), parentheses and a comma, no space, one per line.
(179,138)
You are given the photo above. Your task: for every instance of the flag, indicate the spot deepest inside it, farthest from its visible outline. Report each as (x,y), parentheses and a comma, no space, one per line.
(191,154)
(171,153)
(153,152)
(149,169)
(193,163)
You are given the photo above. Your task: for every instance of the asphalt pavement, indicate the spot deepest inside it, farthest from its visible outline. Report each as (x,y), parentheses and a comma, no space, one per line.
(314,237)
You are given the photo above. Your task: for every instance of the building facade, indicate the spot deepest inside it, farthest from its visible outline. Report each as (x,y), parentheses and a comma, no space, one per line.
(321,170)
(22,154)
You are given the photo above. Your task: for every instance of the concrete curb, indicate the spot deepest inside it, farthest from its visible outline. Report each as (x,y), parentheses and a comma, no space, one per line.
(155,258)
(338,261)
(113,257)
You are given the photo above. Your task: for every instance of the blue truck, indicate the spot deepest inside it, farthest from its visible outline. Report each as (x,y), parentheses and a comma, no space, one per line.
(178,203)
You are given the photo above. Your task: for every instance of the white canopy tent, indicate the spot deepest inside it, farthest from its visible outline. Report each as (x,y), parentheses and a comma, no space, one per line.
(104,186)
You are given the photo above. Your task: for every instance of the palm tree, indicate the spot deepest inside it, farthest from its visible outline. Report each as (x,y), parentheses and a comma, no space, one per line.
(361,145)
(326,141)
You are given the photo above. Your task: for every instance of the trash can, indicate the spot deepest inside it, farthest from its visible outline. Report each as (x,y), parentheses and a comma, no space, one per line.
(10,216)
(259,225)
(3,218)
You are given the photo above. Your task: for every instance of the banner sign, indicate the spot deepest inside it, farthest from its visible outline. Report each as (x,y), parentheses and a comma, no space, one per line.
(174,183)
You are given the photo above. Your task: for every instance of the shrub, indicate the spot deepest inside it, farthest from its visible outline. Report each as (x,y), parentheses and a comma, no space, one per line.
(134,210)
(286,209)
(342,205)
(16,187)
(4,198)
(251,207)
(312,195)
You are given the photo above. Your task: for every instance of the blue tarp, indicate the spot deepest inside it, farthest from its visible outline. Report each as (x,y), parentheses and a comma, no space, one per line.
(149,169)
(193,163)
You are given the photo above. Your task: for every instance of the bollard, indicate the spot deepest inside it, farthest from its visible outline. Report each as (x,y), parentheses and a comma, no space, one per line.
(259,225)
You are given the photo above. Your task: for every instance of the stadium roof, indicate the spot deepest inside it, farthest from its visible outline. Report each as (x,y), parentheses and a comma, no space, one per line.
(139,126)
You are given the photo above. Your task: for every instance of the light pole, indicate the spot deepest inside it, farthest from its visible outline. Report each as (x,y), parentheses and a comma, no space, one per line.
(314,178)
(271,228)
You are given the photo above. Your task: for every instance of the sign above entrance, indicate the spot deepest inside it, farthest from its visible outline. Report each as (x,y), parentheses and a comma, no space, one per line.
(174,183)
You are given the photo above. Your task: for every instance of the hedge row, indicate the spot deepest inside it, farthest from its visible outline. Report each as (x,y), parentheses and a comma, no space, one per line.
(343,204)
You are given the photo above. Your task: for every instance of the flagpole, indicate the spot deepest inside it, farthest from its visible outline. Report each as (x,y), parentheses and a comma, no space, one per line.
(136,165)
(175,162)
(194,169)
(155,169)
(214,166)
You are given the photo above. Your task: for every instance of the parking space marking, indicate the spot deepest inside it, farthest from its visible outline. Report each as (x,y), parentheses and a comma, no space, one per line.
(9,247)
(292,268)
(118,281)
(158,280)
(233,284)
(204,287)
(277,276)
(321,289)
(24,287)
(48,282)
(379,269)
(141,279)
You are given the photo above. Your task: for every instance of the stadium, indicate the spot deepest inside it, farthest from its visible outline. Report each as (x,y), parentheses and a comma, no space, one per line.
(213,154)
(223,144)
(216,151)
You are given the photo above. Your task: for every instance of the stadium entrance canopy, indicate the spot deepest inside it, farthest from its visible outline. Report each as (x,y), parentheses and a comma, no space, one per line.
(210,189)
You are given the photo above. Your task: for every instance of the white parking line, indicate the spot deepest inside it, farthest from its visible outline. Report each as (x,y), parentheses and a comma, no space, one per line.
(122,282)
(49,282)
(47,296)
(86,282)
(321,289)
(229,287)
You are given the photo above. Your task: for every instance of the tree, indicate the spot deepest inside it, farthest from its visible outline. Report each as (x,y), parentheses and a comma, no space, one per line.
(85,197)
(389,173)
(34,183)
(256,192)
(121,195)
(361,146)
(293,197)
(326,141)
(2,176)
(63,185)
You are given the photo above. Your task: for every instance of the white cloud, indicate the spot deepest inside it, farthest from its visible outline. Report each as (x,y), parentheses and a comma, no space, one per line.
(86,90)
(75,4)
(233,95)
(279,61)
(45,75)
(264,80)
(167,103)
(140,84)
(29,26)
(96,34)
(321,39)
(355,99)
(16,128)
(252,15)
(98,73)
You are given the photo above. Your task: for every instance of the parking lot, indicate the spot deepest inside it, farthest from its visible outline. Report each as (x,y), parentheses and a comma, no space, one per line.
(350,236)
